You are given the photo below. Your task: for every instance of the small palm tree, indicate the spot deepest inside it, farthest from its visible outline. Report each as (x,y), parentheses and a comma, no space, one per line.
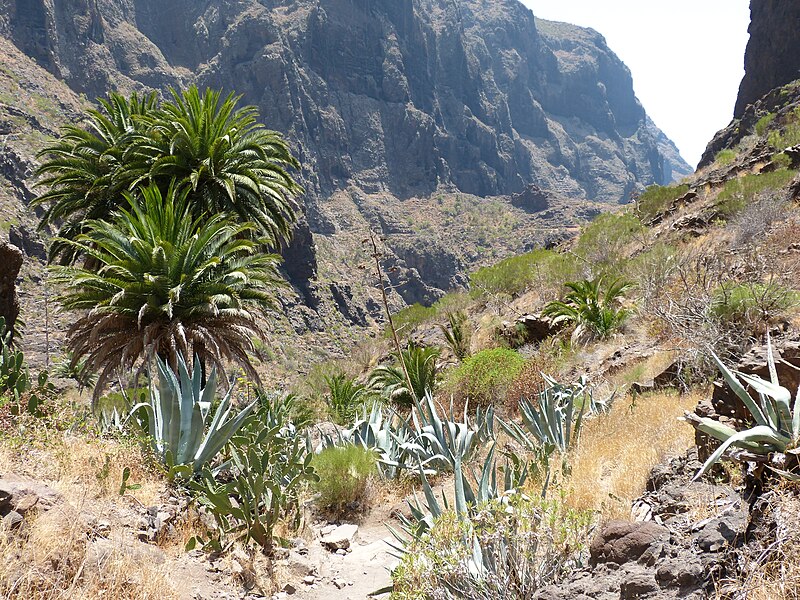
(457,333)
(422,368)
(165,285)
(346,397)
(593,308)
(230,161)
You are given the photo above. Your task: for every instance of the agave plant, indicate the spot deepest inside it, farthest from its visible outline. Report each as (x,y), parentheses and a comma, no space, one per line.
(177,418)
(439,443)
(555,423)
(592,307)
(468,495)
(776,428)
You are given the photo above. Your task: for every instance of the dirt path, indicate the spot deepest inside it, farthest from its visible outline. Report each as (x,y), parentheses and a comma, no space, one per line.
(353,576)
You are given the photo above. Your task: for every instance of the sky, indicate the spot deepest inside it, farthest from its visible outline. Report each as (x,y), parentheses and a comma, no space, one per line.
(686,57)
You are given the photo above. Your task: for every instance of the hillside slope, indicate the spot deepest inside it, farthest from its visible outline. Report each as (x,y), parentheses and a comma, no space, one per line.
(382,101)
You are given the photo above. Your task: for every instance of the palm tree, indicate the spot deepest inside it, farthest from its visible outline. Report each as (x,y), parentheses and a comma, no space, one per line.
(420,364)
(458,334)
(594,309)
(87,170)
(166,284)
(229,161)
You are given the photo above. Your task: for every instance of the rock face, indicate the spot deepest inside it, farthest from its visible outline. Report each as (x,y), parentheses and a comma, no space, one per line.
(772,58)
(399,98)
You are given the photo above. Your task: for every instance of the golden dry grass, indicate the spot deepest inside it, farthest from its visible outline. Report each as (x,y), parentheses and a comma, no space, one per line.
(49,561)
(85,469)
(616,452)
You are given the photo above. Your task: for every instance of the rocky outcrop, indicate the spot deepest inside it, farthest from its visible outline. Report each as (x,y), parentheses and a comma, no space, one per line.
(11,261)
(772,58)
(682,538)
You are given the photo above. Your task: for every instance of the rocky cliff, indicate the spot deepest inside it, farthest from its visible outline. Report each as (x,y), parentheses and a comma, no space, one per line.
(384,102)
(772,58)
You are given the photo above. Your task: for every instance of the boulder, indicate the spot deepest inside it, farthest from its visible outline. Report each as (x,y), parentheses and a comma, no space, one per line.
(620,542)
(340,538)
(21,494)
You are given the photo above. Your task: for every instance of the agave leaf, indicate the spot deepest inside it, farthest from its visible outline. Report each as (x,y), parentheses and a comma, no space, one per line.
(796,418)
(778,393)
(740,391)
(760,433)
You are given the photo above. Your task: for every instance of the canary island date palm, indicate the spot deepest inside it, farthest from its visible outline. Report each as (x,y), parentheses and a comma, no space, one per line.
(229,161)
(201,142)
(166,284)
(87,169)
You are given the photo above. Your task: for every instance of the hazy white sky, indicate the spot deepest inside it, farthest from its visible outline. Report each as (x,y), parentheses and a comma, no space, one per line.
(686,57)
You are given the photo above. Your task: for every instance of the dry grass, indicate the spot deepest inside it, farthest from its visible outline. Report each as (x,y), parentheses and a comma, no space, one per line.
(85,469)
(49,561)
(775,575)
(617,451)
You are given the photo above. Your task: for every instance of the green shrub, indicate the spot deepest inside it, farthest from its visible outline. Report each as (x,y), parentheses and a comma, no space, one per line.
(751,305)
(516,274)
(484,378)
(725,157)
(655,199)
(603,242)
(762,125)
(789,134)
(409,318)
(344,472)
(737,193)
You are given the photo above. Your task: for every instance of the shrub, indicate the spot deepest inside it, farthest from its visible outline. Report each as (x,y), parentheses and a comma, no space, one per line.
(516,274)
(755,219)
(738,193)
(762,125)
(752,305)
(508,549)
(409,318)
(655,198)
(484,378)
(343,472)
(725,157)
(602,243)
(789,134)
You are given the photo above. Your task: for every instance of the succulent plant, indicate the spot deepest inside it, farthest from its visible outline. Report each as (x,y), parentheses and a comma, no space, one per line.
(556,421)
(776,428)
(177,415)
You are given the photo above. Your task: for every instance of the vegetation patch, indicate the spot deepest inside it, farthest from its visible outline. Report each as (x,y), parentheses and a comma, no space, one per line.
(484,378)
(738,193)
(344,473)
(656,198)
(517,274)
